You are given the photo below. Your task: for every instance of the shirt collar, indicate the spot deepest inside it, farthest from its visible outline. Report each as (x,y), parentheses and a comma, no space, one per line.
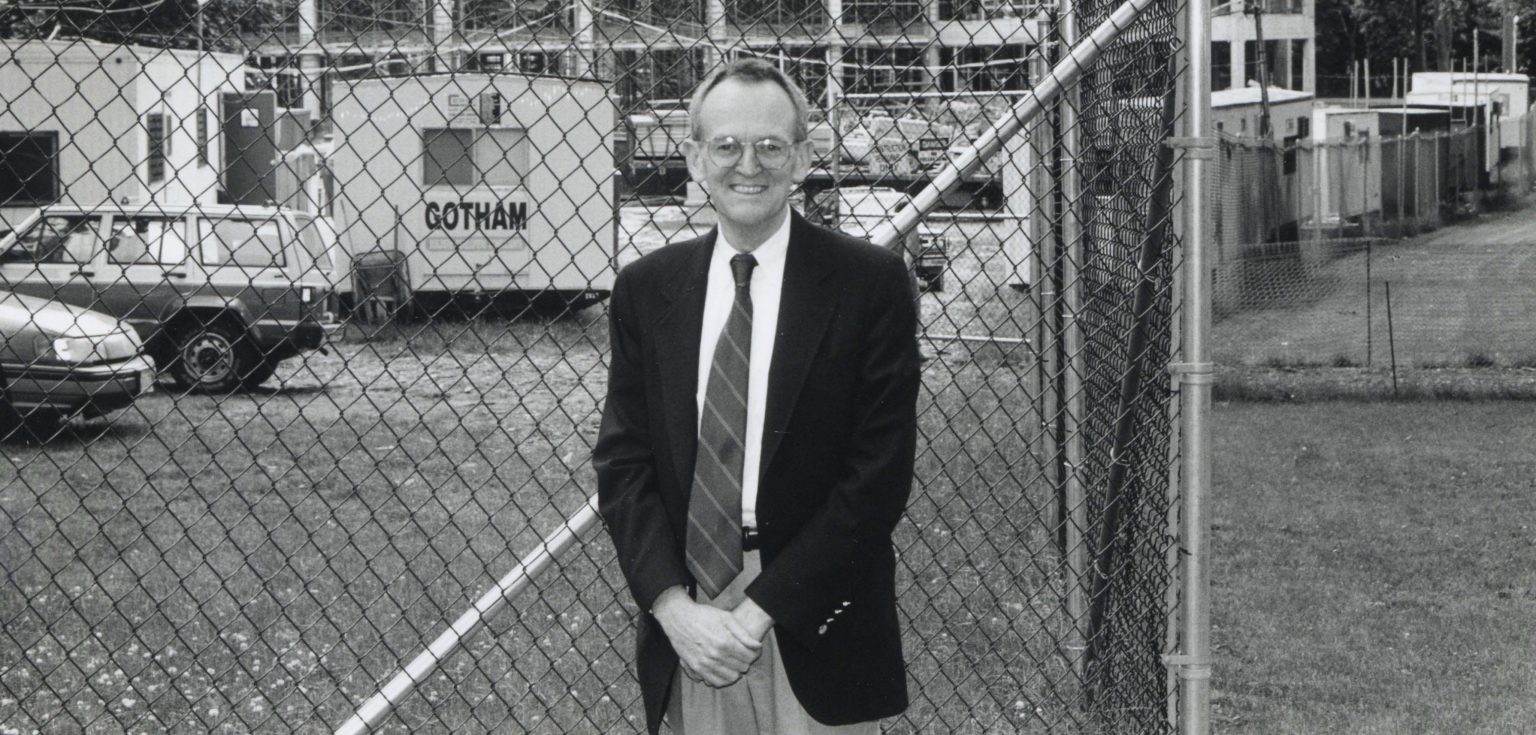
(770,254)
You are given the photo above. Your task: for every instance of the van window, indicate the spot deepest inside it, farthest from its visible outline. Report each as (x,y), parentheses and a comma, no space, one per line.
(57,239)
(249,244)
(147,240)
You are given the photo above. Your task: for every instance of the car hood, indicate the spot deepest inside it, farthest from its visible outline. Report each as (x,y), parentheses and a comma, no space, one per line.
(21,314)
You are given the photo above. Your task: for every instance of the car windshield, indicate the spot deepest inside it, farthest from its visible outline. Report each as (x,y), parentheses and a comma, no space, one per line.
(313,233)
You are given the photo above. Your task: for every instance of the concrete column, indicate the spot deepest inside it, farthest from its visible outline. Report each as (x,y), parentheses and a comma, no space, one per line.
(442,31)
(715,28)
(310,57)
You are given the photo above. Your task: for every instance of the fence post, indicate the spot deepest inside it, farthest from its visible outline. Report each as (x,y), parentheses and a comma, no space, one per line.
(1068,295)
(1367,303)
(1391,339)
(1196,376)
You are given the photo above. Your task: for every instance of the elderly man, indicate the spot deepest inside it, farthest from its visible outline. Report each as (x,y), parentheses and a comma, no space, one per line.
(757,442)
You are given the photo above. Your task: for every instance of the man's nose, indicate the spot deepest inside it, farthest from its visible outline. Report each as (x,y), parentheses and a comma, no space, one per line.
(748,153)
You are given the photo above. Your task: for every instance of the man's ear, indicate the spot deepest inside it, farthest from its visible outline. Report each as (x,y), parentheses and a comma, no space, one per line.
(693,153)
(800,160)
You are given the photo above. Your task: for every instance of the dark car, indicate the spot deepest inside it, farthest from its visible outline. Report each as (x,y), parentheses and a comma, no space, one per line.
(220,294)
(59,361)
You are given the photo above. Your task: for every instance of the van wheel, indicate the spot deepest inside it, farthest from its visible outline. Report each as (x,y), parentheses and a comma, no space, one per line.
(213,358)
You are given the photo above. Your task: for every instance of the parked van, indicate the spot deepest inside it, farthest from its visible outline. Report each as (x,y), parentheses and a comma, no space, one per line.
(220,294)
(478,185)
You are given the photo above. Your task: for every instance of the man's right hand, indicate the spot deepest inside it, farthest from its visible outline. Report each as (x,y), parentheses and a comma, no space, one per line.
(711,643)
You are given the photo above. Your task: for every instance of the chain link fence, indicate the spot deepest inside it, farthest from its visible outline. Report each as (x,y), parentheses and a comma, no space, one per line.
(1436,303)
(305,344)
(1308,252)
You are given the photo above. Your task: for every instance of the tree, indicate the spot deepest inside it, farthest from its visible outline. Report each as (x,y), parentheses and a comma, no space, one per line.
(1431,32)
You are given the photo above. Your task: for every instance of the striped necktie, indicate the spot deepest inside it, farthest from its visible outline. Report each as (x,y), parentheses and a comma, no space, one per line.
(714,507)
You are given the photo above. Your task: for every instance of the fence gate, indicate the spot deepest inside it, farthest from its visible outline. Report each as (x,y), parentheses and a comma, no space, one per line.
(366,245)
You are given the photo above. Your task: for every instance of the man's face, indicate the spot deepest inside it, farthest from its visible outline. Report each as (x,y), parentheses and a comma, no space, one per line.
(748,197)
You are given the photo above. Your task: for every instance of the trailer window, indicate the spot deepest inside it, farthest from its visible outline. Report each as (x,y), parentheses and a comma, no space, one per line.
(503,156)
(158,143)
(243,243)
(29,168)
(447,157)
(465,156)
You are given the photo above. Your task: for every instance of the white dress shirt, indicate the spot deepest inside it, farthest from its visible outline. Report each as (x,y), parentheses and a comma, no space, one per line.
(767,283)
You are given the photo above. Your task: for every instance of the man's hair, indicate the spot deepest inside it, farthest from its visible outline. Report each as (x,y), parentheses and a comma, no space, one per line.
(750,69)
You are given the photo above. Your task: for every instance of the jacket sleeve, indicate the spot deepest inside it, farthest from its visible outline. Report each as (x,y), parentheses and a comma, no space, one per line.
(810,578)
(629,498)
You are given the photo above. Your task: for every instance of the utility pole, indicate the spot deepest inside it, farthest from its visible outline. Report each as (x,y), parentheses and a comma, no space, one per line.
(1511,60)
(1443,39)
(1257,8)
(1418,32)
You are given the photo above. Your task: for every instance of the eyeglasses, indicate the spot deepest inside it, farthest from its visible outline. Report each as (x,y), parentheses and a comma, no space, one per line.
(771,153)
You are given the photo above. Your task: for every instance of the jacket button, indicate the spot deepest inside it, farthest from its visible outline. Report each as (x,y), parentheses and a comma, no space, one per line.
(822,630)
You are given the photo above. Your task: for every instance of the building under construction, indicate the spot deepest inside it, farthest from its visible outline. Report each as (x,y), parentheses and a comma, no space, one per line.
(655,51)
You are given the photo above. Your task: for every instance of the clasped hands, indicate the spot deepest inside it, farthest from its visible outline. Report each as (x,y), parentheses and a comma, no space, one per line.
(714,646)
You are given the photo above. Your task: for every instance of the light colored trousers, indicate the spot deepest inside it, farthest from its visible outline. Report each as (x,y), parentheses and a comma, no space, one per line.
(760,702)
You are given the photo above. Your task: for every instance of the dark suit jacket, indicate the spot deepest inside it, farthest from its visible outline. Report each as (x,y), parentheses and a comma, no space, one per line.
(839,435)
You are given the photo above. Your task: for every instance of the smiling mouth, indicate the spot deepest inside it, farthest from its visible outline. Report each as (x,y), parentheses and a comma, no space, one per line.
(748,188)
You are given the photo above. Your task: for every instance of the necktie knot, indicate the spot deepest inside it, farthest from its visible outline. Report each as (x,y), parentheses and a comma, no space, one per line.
(741,269)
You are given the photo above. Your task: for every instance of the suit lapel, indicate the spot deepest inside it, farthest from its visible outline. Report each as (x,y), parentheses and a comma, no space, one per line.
(805,309)
(677,358)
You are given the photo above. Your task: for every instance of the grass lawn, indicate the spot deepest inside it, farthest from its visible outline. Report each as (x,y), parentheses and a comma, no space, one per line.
(1375,567)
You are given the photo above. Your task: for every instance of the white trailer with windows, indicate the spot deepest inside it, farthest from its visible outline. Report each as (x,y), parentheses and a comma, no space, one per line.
(87,122)
(480,185)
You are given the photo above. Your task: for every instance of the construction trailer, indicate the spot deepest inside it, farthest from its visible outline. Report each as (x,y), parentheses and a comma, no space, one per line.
(475,187)
(1346,177)
(1238,112)
(1497,102)
(91,122)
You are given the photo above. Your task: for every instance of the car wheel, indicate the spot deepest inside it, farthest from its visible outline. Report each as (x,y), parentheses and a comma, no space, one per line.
(12,427)
(213,358)
(260,373)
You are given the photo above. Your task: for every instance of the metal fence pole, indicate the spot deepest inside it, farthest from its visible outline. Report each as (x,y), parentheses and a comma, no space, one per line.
(1197,374)
(1070,299)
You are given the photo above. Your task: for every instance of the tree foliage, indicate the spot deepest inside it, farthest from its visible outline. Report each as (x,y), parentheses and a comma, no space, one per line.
(1426,32)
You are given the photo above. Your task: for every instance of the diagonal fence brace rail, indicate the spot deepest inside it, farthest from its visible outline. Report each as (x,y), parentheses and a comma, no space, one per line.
(1062,77)
(509,586)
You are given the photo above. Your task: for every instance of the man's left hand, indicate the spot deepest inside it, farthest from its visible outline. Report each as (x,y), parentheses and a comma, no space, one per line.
(752,617)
